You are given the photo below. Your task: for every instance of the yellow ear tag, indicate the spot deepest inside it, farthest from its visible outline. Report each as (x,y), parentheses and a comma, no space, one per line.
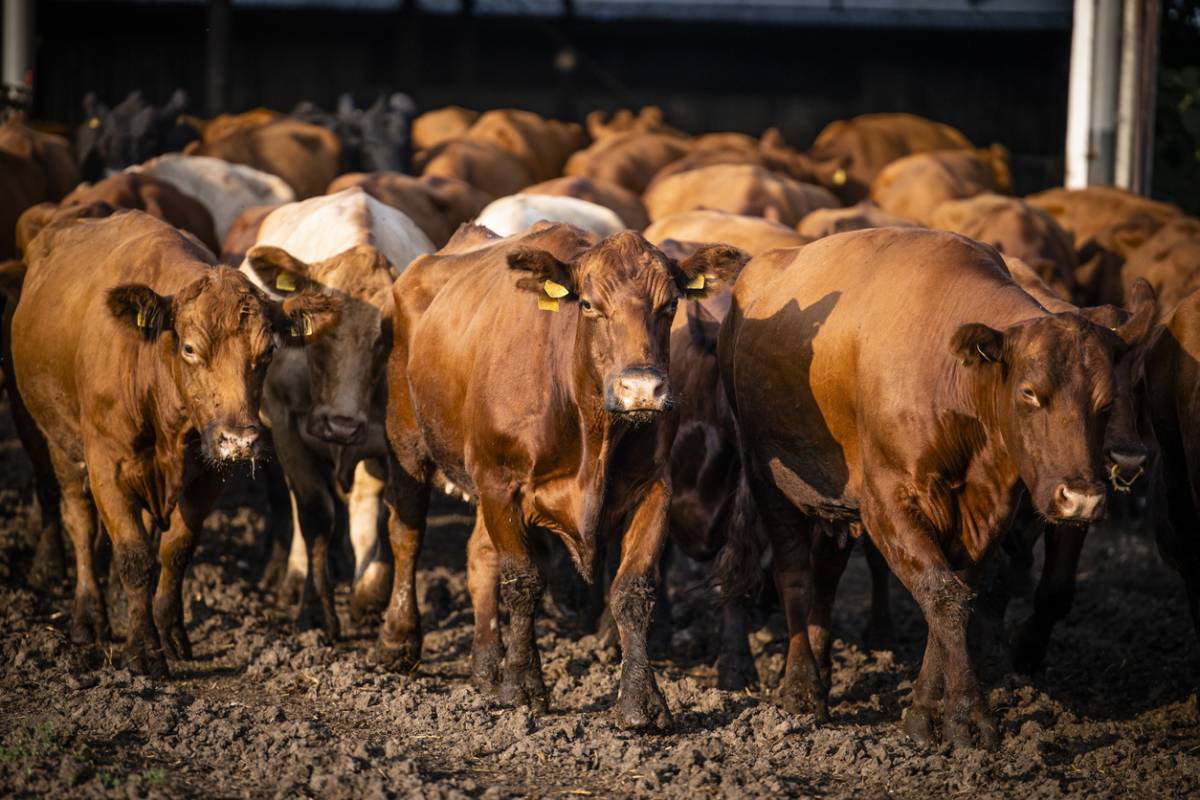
(285,281)
(696,283)
(555,290)
(839,177)
(547,303)
(141,318)
(94,122)
(306,324)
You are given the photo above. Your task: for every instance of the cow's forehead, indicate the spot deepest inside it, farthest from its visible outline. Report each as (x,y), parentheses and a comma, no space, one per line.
(1065,346)
(223,303)
(625,259)
(360,275)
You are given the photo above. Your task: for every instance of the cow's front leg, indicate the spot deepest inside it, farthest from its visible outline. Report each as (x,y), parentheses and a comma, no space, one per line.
(372,561)
(134,561)
(1055,591)
(521,589)
(174,554)
(735,663)
(914,555)
(483,582)
(640,704)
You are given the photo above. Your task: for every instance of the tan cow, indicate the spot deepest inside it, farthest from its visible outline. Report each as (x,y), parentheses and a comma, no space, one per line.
(914,186)
(627,205)
(739,189)
(306,156)
(436,203)
(750,234)
(628,159)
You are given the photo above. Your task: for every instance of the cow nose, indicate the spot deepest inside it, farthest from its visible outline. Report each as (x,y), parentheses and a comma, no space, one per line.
(1126,465)
(1083,502)
(338,428)
(639,389)
(236,442)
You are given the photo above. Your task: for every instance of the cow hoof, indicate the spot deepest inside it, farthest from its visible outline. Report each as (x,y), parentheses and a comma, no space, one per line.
(366,607)
(89,622)
(918,724)
(795,697)
(144,661)
(175,643)
(643,708)
(316,618)
(735,672)
(960,731)
(485,667)
(525,688)
(403,657)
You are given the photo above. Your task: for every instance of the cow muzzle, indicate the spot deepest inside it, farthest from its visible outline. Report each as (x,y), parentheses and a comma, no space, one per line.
(639,394)
(234,443)
(343,429)
(1078,502)
(1125,466)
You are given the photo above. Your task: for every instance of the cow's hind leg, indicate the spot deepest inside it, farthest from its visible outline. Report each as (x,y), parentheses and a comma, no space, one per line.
(89,617)
(879,631)
(829,557)
(372,561)
(407,496)
(735,663)
(483,582)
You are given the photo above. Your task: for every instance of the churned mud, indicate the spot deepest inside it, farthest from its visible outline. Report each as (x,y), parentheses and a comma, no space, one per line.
(263,711)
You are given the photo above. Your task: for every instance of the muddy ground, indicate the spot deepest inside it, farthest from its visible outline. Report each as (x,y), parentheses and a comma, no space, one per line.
(262,711)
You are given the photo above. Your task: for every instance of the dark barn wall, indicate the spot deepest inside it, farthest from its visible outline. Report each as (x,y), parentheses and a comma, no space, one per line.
(1007,87)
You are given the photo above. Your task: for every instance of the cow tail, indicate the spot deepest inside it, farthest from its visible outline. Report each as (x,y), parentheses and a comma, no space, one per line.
(739,562)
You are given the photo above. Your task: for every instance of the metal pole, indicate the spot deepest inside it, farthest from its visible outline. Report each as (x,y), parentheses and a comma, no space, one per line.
(18,53)
(1106,47)
(1079,95)
(1135,121)
(217,56)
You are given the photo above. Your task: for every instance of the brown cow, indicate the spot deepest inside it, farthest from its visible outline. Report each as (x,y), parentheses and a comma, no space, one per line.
(848,154)
(738,189)
(1083,213)
(543,145)
(437,204)
(910,395)
(751,234)
(306,156)
(1016,229)
(624,203)
(648,120)
(914,186)
(570,431)
(828,221)
(482,164)
(222,125)
(1169,261)
(1173,376)
(142,365)
(134,191)
(243,233)
(35,168)
(628,159)
(434,127)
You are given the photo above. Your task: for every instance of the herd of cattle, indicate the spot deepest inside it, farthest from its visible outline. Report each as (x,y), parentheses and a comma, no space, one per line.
(616,333)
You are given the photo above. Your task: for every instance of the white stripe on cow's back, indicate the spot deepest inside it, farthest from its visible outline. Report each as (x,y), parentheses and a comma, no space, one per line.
(517,212)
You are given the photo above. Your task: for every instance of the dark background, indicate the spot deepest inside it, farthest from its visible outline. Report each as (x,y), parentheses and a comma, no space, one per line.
(1007,86)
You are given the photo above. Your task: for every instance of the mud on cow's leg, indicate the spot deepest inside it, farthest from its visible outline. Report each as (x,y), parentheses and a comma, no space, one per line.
(134,561)
(89,616)
(521,588)
(483,582)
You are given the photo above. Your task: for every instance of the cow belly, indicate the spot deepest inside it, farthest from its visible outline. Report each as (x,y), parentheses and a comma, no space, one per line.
(815,484)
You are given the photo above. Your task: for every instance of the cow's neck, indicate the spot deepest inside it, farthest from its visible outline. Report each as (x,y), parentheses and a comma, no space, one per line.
(165,425)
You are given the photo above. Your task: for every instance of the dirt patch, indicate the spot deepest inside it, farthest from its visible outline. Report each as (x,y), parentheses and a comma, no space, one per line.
(262,711)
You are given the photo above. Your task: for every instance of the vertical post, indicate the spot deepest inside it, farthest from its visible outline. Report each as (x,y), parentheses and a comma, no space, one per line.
(1139,72)
(217,57)
(1106,58)
(18,53)
(1079,94)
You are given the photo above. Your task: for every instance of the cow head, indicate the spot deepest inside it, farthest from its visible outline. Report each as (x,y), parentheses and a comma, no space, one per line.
(110,140)
(625,293)
(218,335)
(1053,388)
(346,365)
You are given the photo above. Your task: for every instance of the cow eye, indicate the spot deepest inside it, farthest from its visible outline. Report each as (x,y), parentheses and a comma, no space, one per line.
(1030,396)
(189,352)
(669,309)
(588,308)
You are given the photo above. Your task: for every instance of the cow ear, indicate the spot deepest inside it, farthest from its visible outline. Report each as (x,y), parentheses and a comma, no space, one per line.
(176,105)
(548,277)
(1143,308)
(278,269)
(711,263)
(306,317)
(977,344)
(142,308)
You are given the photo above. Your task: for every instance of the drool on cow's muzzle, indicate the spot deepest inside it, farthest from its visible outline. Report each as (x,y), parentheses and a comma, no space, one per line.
(639,393)
(232,442)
